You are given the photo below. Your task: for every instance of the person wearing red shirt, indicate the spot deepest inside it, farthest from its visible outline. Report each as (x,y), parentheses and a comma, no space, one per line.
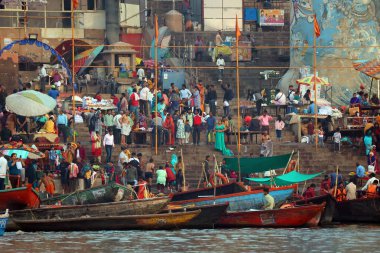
(310,192)
(197,123)
(134,104)
(247,119)
(325,185)
(115,100)
(170,177)
(98,97)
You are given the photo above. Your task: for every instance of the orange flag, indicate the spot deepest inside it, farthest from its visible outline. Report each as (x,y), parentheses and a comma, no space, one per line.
(317,29)
(75,4)
(156,29)
(238,33)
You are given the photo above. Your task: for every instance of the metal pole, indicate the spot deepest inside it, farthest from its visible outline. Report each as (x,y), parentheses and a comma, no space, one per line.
(73,63)
(238,102)
(156,82)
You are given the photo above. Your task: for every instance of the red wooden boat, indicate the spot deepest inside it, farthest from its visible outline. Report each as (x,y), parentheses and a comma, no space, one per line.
(19,198)
(288,217)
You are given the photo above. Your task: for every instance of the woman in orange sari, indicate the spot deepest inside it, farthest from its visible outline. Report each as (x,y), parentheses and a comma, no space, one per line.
(202,94)
(96,147)
(169,125)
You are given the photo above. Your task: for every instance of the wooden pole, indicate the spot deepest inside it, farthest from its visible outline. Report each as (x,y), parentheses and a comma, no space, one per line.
(156,82)
(73,64)
(215,166)
(315,89)
(184,188)
(202,174)
(336,180)
(238,103)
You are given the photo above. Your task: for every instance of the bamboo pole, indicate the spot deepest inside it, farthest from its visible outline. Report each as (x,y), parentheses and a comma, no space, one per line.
(156,83)
(336,180)
(202,174)
(238,103)
(215,166)
(304,185)
(184,188)
(73,64)
(315,88)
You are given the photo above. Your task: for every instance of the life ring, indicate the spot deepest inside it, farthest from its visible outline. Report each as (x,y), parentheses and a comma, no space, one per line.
(220,176)
(291,166)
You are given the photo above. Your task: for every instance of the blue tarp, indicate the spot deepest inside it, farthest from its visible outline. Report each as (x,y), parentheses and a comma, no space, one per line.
(250,14)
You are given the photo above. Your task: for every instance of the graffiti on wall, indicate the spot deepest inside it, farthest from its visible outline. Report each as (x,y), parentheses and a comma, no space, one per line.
(349,31)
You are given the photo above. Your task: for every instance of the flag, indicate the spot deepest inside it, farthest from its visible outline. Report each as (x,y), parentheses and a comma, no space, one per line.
(156,29)
(317,29)
(238,33)
(75,4)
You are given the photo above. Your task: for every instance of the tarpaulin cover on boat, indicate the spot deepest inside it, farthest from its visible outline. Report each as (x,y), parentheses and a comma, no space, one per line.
(286,179)
(259,164)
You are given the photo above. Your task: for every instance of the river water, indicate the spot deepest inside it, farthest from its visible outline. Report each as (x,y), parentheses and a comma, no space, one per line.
(343,238)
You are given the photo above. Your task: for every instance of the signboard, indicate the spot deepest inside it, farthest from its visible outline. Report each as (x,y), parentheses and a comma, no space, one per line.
(244,51)
(272,17)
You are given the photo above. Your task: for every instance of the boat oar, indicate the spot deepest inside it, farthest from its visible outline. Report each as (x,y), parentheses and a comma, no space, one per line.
(184,188)
(336,181)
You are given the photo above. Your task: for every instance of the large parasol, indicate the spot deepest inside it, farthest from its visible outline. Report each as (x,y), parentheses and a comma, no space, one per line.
(84,59)
(30,103)
(21,150)
(311,80)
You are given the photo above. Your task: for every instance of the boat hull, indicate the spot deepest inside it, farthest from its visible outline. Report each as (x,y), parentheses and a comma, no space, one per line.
(101,194)
(358,210)
(241,201)
(328,213)
(209,216)
(287,217)
(129,207)
(143,222)
(19,198)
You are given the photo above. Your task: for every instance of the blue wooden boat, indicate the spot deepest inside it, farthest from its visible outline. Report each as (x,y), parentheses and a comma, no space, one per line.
(239,201)
(3,222)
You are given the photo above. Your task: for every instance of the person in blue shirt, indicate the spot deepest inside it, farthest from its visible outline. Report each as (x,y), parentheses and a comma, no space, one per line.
(62,125)
(360,171)
(334,179)
(14,172)
(312,108)
(53,92)
(210,122)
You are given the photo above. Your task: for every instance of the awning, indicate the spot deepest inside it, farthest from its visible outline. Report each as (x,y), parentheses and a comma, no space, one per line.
(287,179)
(259,164)
(369,67)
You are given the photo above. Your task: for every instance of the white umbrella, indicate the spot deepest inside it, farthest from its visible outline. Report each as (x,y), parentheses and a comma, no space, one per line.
(30,103)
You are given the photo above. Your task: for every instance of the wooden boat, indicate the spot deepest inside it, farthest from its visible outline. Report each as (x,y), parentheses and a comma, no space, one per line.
(101,194)
(3,222)
(328,212)
(19,198)
(240,201)
(223,189)
(145,222)
(358,210)
(288,217)
(209,216)
(128,207)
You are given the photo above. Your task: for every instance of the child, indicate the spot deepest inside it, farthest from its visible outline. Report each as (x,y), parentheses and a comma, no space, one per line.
(226,108)
(187,132)
(337,138)
(320,136)
(279,125)
(310,131)
(181,134)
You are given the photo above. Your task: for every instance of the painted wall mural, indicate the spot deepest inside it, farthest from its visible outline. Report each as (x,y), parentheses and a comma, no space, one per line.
(349,31)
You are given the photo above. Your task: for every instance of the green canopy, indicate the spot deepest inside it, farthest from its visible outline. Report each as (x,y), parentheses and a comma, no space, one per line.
(286,179)
(259,164)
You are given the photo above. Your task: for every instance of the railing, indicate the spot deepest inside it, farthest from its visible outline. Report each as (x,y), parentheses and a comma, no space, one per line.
(42,18)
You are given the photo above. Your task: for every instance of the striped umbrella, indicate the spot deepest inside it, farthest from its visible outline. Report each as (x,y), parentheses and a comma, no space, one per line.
(311,80)
(371,68)
(84,59)
(30,103)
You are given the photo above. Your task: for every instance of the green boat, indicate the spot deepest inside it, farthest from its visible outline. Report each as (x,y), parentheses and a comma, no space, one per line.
(100,194)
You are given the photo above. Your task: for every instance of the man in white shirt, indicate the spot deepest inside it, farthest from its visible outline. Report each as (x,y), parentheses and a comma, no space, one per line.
(108,143)
(43,77)
(220,63)
(3,171)
(144,99)
(117,127)
(185,95)
(280,98)
(337,138)
(141,74)
(351,190)
(372,177)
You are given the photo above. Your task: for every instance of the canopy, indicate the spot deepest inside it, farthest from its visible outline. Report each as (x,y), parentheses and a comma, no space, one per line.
(85,59)
(369,67)
(30,103)
(286,179)
(260,164)
(310,80)
(21,150)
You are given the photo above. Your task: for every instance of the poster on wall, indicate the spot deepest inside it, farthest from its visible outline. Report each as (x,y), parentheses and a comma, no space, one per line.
(272,17)
(244,51)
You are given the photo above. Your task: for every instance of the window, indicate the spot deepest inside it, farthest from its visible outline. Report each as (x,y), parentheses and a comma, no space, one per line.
(91,5)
